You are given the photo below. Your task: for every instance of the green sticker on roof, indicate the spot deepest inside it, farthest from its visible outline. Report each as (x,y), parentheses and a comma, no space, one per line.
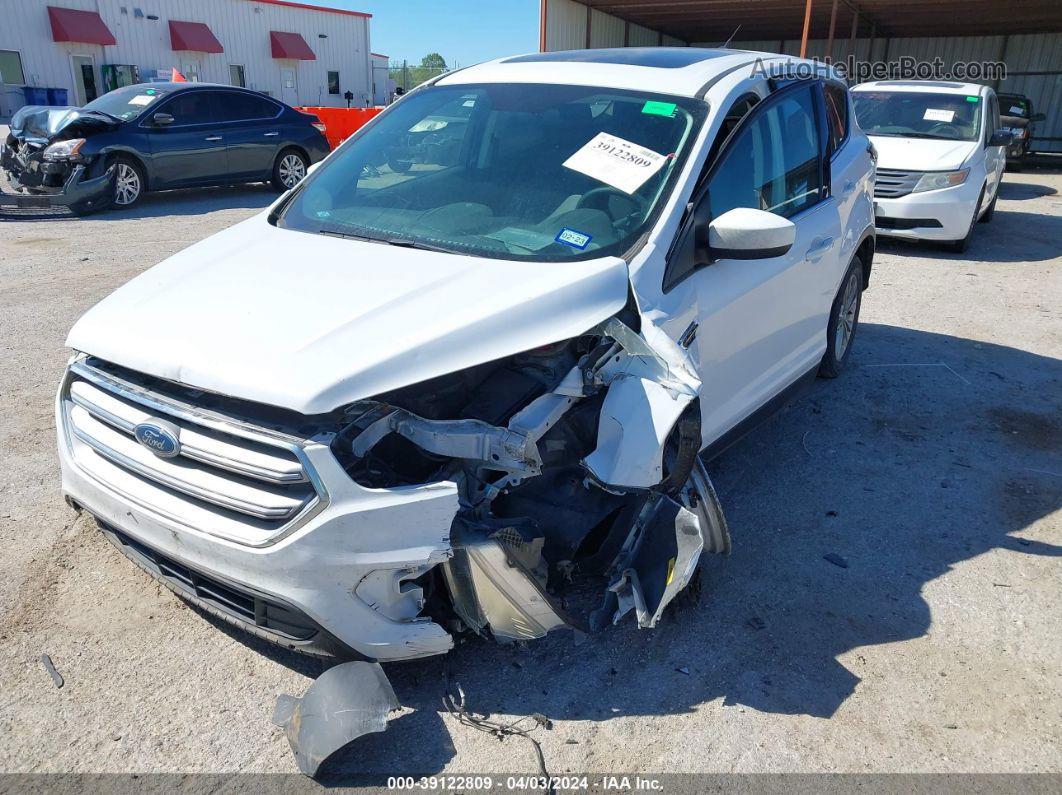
(659,108)
(973,99)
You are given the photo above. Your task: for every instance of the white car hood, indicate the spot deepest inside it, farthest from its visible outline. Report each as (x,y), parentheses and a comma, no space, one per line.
(309,323)
(921,154)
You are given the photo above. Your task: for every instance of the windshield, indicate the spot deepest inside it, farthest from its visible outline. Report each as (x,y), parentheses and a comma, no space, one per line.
(126,103)
(515,171)
(952,117)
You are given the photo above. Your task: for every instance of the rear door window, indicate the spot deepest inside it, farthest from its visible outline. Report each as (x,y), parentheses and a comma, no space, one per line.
(836,114)
(237,106)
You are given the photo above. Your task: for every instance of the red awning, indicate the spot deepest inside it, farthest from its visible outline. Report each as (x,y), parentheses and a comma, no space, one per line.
(85,27)
(193,36)
(290,45)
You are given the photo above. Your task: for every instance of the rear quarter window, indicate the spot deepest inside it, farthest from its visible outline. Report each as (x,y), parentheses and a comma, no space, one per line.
(836,115)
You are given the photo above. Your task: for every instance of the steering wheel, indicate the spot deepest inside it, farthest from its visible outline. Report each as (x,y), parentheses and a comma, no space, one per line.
(945,129)
(597,199)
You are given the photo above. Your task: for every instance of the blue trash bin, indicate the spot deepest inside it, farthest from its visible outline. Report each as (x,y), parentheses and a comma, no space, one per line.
(57,96)
(35,96)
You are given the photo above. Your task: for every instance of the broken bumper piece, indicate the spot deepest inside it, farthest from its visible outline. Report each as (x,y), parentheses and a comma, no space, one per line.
(344,703)
(76,191)
(497,580)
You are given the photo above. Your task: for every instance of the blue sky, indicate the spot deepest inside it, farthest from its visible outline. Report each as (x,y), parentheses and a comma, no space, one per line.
(462,31)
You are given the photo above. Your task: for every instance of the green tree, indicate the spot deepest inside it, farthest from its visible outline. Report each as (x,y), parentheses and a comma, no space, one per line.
(433,61)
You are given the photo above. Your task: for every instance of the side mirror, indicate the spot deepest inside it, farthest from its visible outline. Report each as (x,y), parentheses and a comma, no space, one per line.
(1038,117)
(161,119)
(1001,138)
(744,233)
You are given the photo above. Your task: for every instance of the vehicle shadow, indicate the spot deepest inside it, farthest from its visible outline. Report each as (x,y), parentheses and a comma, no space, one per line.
(1011,236)
(188,201)
(193,201)
(914,461)
(1019,191)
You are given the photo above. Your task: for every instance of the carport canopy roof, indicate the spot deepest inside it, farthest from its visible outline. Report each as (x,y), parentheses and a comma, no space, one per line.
(715,21)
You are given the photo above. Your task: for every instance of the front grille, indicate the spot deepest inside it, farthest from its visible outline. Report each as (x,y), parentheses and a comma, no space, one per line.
(261,615)
(892,184)
(230,479)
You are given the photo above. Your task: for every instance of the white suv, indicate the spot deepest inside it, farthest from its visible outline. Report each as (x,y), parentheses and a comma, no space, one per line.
(476,353)
(941,155)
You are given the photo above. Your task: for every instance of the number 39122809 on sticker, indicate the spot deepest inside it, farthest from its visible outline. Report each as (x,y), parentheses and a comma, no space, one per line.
(624,165)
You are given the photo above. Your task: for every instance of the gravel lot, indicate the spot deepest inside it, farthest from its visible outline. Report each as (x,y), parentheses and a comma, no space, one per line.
(932,467)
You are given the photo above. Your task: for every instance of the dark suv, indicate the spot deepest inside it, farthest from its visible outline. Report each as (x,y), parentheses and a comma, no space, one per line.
(1016,114)
(155,136)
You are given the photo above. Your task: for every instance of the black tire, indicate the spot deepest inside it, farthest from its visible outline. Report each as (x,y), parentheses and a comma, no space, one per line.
(289,169)
(843,311)
(959,246)
(987,216)
(130,183)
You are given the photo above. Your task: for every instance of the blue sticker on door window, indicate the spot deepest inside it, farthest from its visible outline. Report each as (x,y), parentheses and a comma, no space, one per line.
(573,238)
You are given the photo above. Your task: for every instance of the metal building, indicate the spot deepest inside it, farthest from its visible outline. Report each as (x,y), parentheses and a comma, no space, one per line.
(1026,35)
(298,53)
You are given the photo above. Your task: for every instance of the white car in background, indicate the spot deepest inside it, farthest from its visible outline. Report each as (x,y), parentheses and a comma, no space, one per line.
(941,155)
(461,363)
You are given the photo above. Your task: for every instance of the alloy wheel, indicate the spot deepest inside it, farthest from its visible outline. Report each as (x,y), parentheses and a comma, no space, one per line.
(846,320)
(127,185)
(292,169)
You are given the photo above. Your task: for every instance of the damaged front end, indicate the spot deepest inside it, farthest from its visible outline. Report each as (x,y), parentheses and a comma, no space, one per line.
(574,460)
(45,165)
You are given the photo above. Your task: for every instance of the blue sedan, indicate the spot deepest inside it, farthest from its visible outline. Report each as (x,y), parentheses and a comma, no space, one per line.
(155,136)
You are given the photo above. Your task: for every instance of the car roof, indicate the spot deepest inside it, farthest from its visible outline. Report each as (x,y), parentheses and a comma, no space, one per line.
(914,86)
(682,71)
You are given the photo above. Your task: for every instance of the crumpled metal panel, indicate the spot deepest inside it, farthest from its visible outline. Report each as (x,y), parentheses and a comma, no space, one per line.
(342,704)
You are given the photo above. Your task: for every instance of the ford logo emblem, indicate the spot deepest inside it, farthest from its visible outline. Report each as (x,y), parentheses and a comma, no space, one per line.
(160,437)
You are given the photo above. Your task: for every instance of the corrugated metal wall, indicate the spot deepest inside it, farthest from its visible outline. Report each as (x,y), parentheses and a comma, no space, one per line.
(241,26)
(566,25)
(605,30)
(566,29)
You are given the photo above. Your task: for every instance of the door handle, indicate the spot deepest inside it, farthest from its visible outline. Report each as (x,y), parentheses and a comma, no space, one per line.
(271,134)
(212,138)
(818,249)
(848,187)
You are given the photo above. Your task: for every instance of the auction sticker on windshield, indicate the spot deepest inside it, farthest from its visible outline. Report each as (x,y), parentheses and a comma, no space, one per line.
(621,164)
(141,99)
(938,114)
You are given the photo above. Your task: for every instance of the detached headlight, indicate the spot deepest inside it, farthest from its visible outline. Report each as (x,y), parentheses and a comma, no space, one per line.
(64,150)
(935,180)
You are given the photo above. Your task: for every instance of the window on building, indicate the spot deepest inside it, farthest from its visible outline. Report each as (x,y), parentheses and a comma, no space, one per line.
(236,75)
(11,68)
(333,82)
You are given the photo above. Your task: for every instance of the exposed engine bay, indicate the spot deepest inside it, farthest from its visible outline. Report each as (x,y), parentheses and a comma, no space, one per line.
(577,458)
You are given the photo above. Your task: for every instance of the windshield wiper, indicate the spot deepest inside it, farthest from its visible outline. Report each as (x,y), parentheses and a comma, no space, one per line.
(405,242)
(104,113)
